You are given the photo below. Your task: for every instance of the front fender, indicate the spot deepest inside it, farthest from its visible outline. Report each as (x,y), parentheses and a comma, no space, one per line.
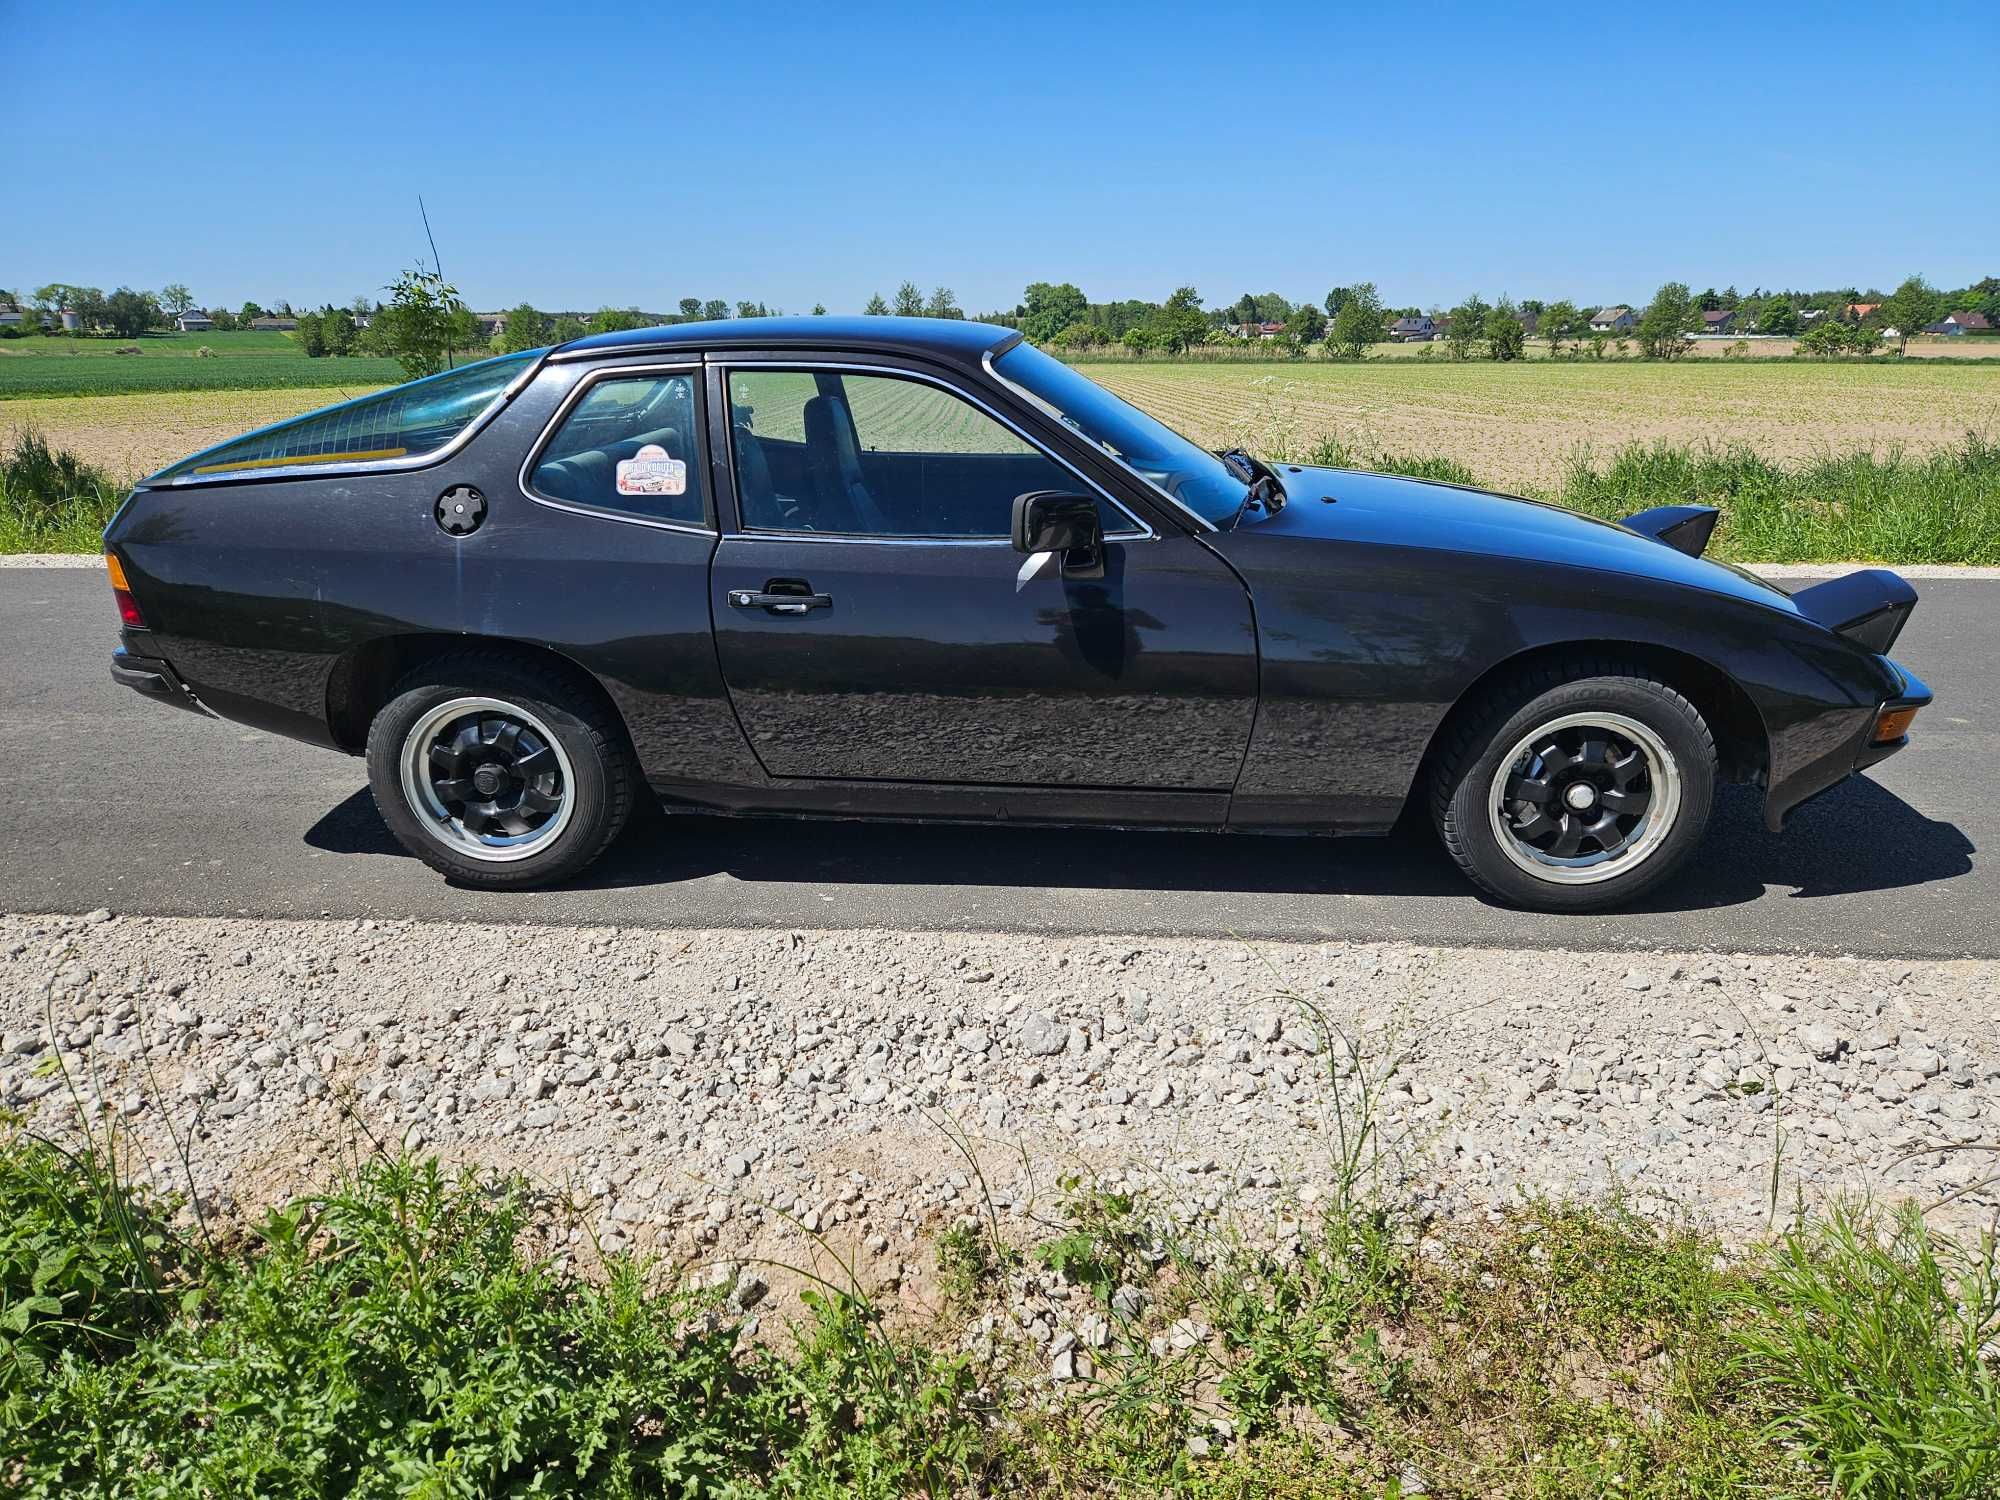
(1366,649)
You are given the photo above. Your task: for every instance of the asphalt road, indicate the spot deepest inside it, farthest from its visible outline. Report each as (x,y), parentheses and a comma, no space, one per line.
(113,801)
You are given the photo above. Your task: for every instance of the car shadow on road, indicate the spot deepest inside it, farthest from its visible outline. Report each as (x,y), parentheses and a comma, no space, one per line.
(1858,838)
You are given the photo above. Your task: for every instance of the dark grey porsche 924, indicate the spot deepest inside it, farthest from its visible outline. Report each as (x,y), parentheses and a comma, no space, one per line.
(917,569)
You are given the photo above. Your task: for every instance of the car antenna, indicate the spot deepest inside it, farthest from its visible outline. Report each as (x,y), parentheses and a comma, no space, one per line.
(437,265)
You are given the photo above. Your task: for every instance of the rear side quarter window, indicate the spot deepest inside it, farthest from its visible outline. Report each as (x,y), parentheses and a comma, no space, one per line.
(404,425)
(628,443)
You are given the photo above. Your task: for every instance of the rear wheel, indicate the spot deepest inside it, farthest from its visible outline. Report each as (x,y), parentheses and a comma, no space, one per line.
(1576,791)
(499,773)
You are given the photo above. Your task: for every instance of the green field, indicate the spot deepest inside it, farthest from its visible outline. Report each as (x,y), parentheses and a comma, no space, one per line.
(45,365)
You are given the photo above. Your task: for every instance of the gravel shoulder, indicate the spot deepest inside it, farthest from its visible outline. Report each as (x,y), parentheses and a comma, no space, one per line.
(722,1091)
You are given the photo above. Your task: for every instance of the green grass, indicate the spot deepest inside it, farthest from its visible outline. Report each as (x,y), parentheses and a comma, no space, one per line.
(401,1333)
(1941,507)
(108,374)
(152,345)
(51,501)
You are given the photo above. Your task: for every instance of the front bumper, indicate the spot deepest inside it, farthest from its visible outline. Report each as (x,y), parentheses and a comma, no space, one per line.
(1861,753)
(155,678)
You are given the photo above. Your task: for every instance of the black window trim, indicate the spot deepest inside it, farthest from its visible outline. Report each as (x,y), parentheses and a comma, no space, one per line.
(697,437)
(726,365)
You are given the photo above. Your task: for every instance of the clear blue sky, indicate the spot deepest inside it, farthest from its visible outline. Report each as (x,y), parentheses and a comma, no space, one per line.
(574,155)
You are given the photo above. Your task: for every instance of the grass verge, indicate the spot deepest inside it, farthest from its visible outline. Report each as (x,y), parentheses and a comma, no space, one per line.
(50,500)
(401,1332)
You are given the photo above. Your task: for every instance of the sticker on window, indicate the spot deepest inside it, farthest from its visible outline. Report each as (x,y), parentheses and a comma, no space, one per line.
(651,472)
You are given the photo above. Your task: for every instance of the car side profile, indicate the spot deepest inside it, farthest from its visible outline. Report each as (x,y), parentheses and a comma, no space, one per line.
(918,569)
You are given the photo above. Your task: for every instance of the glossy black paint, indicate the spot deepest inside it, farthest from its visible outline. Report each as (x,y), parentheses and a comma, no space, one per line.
(1289,672)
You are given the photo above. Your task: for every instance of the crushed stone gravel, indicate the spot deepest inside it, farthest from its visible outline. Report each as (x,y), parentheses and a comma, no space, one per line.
(729,1092)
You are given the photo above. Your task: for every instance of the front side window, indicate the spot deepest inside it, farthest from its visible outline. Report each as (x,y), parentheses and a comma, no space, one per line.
(628,444)
(879,455)
(407,422)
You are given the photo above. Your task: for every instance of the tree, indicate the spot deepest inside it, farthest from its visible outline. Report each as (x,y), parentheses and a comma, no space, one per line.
(1560,322)
(691,308)
(223,319)
(1336,299)
(1910,308)
(752,310)
(527,328)
(876,308)
(1777,316)
(1307,324)
(819,309)
(714,308)
(1826,338)
(1467,326)
(943,304)
(247,314)
(1049,307)
(614,320)
(1179,323)
(337,330)
(1272,308)
(1358,321)
(565,328)
(1669,318)
(130,313)
(1505,337)
(416,325)
(1078,336)
(309,335)
(909,301)
(175,299)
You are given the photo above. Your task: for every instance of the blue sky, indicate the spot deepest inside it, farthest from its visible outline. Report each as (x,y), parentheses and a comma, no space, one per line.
(580,154)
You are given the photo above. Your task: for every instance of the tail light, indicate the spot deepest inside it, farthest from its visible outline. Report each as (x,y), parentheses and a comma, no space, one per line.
(128,607)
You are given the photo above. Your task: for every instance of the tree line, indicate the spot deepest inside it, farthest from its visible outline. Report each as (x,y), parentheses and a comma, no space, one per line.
(424,324)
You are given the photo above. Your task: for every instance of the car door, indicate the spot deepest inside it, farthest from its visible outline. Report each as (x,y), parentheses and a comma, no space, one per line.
(873,622)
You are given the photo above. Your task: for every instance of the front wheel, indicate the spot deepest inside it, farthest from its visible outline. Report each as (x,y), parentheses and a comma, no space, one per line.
(499,773)
(1576,792)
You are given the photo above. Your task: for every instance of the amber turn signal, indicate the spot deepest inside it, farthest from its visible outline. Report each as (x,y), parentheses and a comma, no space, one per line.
(1893,724)
(128,607)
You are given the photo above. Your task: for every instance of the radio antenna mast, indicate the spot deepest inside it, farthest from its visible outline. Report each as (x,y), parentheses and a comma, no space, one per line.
(437,267)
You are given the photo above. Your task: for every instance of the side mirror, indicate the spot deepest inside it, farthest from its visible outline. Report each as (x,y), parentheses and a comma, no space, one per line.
(1051,521)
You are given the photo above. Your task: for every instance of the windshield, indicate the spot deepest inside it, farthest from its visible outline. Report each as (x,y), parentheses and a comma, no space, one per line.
(1191,475)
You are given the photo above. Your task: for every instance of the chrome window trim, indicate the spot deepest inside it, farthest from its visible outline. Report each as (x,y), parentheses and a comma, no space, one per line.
(554,424)
(470,431)
(986,360)
(1143,533)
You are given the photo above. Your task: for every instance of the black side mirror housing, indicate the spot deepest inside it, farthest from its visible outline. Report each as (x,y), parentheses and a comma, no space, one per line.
(1052,521)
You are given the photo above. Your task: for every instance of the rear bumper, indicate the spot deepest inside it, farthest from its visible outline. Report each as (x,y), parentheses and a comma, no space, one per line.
(155,679)
(1858,755)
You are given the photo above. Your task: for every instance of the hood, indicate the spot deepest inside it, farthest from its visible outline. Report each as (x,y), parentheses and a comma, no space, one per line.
(1388,510)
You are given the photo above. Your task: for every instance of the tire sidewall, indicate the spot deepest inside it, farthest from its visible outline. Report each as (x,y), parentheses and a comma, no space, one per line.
(1679,726)
(589,790)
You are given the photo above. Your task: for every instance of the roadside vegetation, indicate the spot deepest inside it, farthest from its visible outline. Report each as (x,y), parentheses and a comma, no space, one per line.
(408,1330)
(50,500)
(1941,507)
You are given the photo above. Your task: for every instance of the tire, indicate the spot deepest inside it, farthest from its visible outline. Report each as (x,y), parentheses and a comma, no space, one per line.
(499,773)
(1539,799)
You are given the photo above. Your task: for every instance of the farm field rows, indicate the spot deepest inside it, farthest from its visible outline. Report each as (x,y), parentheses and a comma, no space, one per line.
(1517,424)
(1511,425)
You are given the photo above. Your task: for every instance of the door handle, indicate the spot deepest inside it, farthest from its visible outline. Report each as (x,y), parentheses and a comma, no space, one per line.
(779,603)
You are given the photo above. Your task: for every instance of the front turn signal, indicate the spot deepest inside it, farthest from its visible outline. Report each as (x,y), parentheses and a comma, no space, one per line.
(128,607)
(1892,724)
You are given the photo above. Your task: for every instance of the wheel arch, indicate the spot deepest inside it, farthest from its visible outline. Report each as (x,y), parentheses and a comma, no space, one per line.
(364,678)
(1742,740)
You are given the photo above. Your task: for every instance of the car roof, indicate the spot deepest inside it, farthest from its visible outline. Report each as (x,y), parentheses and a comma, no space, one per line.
(950,338)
